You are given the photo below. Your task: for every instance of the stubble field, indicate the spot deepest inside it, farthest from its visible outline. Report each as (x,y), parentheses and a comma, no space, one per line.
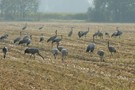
(80,71)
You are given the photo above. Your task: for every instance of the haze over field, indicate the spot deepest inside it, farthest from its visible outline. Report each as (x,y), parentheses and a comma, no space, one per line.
(73,6)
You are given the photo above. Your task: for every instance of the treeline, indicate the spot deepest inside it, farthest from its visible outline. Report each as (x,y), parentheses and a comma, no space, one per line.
(62,16)
(100,11)
(112,11)
(18,9)
(27,10)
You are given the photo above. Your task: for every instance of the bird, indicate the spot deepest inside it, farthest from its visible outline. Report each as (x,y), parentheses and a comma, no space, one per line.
(95,35)
(107,34)
(33,51)
(117,33)
(59,47)
(4,50)
(20,33)
(41,27)
(17,39)
(71,32)
(80,34)
(111,48)
(23,28)
(83,33)
(5,36)
(27,36)
(26,41)
(64,53)
(53,37)
(100,34)
(57,40)
(101,54)
(91,47)
(86,32)
(41,38)
(54,52)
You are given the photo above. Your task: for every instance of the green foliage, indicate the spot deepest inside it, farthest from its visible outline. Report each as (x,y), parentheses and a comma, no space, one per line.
(62,16)
(112,11)
(18,9)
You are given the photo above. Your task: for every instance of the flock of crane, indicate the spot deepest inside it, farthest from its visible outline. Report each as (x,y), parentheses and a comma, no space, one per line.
(27,39)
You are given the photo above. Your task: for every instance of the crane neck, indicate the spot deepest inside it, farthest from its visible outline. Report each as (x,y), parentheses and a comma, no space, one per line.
(56,32)
(57,45)
(108,43)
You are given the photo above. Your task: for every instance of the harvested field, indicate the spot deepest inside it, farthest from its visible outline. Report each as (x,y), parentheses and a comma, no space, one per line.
(81,70)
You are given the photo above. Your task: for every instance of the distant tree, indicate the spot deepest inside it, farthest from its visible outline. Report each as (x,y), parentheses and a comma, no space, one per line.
(18,9)
(112,11)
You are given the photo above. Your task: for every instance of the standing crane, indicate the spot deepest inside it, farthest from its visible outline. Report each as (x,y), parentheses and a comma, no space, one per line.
(26,41)
(24,28)
(33,51)
(52,37)
(101,54)
(95,35)
(117,33)
(111,48)
(91,47)
(71,32)
(83,33)
(99,34)
(64,53)
(4,50)
(57,40)
(54,52)
(107,34)
(17,39)
(40,28)
(41,38)
(86,32)
(59,47)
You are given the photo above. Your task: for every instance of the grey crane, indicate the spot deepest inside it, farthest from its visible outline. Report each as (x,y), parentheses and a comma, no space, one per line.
(17,39)
(23,28)
(80,34)
(33,51)
(64,53)
(40,28)
(91,47)
(57,40)
(95,35)
(117,33)
(52,37)
(99,34)
(27,36)
(59,47)
(4,50)
(54,52)
(5,36)
(83,33)
(26,41)
(86,32)
(41,38)
(71,32)
(111,48)
(107,34)
(101,54)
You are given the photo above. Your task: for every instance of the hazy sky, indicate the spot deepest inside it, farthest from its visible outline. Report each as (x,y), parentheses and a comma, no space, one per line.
(76,6)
